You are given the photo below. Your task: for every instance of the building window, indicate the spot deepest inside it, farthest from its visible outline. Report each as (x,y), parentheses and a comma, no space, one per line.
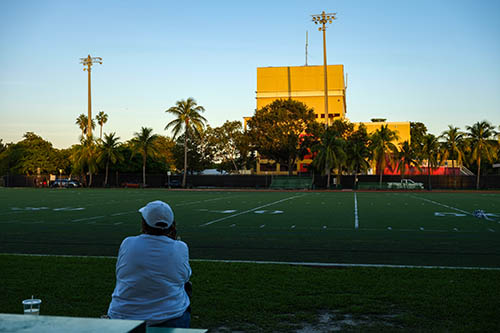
(336,114)
(316,115)
(322,115)
(330,115)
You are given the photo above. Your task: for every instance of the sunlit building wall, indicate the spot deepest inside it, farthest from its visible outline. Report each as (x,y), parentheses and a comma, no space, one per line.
(304,84)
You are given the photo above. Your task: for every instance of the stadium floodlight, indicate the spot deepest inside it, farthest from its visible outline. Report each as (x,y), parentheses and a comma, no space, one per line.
(323,19)
(88,62)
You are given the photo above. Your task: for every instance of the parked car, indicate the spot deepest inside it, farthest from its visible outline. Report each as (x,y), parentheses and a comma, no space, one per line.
(173,183)
(67,183)
(406,184)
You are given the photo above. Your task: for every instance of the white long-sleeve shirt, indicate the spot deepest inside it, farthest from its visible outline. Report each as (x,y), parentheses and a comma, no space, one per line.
(150,275)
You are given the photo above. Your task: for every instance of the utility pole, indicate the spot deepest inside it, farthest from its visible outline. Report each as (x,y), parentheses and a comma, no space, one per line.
(306,46)
(323,19)
(89,61)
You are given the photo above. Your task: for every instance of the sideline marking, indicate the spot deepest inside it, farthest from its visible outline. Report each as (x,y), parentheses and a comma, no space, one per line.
(356,220)
(293,263)
(250,210)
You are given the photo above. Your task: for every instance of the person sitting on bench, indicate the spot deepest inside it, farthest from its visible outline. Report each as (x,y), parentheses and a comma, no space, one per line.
(151,271)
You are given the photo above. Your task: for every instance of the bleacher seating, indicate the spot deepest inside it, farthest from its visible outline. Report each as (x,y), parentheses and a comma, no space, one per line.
(292,183)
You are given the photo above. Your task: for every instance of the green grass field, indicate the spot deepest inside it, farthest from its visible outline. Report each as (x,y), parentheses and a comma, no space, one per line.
(387,228)
(399,228)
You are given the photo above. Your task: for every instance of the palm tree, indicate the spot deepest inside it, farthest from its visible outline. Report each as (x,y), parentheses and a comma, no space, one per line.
(480,135)
(452,146)
(102,118)
(430,152)
(358,152)
(382,147)
(108,151)
(143,143)
(84,157)
(83,122)
(329,153)
(188,117)
(406,157)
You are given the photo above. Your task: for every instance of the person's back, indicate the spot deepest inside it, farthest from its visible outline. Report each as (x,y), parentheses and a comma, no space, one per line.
(151,271)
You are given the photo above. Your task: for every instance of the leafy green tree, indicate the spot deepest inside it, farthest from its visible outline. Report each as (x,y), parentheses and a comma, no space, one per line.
(143,143)
(83,122)
(33,154)
(276,130)
(481,144)
(189,120)
(246,153)
(430,152)
(231,146)
(164,161)
(108,151)
(3,147)
(329,153)
(201,151)
(382,147)
(102,118)
(406,157)
(358,151)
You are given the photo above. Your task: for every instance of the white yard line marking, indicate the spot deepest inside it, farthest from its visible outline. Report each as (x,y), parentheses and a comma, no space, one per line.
(199,201)
(422,228)
(293,263)
(389,228)
(356,220)
(262,226)
(124,213)
(88,218)
(292,227)
(440,204)
(250,210)
(233,225)
(117,223)
(491,230)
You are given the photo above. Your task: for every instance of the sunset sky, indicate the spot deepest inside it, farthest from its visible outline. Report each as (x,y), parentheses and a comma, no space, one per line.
(437,62)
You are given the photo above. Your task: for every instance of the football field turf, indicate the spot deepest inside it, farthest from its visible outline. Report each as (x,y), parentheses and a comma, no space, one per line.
(393,228)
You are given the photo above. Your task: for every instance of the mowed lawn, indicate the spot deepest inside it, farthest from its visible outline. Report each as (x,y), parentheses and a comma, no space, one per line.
(401,228)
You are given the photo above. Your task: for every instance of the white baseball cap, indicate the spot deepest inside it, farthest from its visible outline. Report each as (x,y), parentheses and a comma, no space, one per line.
(158,214)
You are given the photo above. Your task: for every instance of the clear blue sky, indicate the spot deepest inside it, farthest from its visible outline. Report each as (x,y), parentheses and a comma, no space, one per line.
(437,62)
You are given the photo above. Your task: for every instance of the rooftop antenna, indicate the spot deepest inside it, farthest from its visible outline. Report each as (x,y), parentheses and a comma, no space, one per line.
(306,46)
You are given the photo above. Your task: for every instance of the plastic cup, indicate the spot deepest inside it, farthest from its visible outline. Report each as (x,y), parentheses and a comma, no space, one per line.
(32,306)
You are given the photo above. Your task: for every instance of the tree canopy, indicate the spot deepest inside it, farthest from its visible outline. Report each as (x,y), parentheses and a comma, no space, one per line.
(276,128)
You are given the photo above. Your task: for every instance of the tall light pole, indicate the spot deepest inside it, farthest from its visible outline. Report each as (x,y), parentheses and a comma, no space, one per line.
(89,61)
(323,19)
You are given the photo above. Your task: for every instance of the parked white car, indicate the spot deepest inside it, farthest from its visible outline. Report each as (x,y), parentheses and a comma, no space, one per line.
(407,184)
